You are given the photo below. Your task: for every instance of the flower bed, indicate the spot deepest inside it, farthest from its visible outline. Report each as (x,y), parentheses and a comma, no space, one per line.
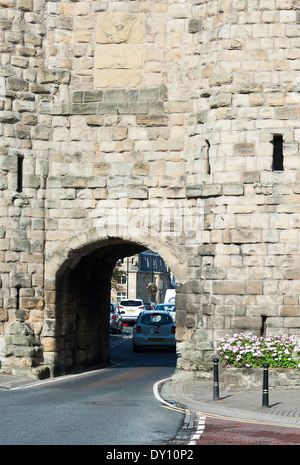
(243,355)
(249,351)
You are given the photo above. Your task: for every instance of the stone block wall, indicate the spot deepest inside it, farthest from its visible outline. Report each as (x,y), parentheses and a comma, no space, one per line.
(23,173)
(152,123)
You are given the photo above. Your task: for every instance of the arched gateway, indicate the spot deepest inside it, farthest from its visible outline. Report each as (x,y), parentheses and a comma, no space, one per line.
(78,276)
(170,125)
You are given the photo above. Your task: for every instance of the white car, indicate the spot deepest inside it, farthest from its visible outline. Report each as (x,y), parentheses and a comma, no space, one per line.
(153,329)
(131,308)
(168,308)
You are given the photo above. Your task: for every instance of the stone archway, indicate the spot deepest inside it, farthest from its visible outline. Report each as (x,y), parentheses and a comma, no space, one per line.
(77,293)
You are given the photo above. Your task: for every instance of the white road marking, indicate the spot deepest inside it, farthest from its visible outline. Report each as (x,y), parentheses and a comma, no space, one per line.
(200,422)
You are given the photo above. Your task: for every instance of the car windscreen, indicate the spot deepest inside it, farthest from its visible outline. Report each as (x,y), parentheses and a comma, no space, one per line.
(169,308)
(131,303)
(156,319)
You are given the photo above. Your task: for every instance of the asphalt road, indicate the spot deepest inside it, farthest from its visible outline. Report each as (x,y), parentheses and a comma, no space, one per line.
(110,406)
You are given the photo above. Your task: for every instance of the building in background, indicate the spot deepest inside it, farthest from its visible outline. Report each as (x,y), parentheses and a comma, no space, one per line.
(144,276)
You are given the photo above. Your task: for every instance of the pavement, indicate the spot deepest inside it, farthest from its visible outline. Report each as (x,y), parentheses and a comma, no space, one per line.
(12,381)
(198,398)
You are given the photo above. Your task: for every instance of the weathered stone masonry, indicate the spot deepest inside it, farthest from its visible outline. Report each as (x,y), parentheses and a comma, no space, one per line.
(128,125)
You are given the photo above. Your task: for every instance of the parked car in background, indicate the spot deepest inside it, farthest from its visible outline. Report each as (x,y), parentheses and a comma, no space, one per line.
(131,308)
(154,329)
(116,320)
(167,307)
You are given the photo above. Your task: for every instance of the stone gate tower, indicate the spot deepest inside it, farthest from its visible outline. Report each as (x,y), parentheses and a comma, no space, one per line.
(170,125)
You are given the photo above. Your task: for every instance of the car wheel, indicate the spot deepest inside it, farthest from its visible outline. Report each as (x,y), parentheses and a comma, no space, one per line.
(120,328)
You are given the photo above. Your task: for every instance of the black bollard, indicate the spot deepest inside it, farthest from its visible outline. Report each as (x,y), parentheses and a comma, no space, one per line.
(265,398)
(216,379)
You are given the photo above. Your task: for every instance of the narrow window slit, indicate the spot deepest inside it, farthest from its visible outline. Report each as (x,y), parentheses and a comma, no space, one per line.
(20,174)
(277,153)
(18,298)
(263,326)
(207,156)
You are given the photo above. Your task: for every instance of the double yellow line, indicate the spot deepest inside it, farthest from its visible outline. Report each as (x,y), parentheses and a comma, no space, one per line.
(176,409)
